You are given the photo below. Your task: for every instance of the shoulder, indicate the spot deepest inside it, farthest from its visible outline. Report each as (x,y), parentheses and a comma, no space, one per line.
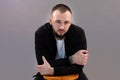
(76,29)
(44,29)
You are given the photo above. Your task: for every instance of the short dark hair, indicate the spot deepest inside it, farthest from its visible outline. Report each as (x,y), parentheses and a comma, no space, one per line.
(62,8)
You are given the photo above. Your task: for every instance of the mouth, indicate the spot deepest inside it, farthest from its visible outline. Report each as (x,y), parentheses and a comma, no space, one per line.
(61,32)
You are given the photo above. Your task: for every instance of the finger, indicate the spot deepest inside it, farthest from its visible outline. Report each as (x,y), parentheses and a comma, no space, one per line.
(85,62)
(38,66)
(85,55)
(84,51)
(44,60)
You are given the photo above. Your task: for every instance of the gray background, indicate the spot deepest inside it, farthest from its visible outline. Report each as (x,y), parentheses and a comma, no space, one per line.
(20,18)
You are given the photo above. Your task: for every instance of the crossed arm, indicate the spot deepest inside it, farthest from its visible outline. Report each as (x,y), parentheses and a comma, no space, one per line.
(79,58)
(70,65)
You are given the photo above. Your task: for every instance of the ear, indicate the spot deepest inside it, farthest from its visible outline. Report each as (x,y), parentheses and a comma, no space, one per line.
(50,20)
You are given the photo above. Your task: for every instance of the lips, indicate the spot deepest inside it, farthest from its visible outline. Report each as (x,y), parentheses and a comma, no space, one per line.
(61,31)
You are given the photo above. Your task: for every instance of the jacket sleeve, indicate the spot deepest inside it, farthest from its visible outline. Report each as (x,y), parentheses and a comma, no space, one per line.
(67,70)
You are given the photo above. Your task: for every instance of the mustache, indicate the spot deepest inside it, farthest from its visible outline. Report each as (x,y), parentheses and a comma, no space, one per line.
(61,30)
(59,36)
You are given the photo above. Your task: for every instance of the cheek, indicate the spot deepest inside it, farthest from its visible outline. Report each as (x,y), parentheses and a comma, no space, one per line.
(67,27)
(54,27)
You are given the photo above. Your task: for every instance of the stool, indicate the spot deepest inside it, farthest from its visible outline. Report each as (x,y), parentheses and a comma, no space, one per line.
(67,77)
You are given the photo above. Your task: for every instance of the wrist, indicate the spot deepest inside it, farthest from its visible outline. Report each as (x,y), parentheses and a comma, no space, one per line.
(51,71)
(70,59)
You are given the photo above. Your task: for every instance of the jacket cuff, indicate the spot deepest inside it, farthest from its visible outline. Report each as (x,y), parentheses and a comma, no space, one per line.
(70,59)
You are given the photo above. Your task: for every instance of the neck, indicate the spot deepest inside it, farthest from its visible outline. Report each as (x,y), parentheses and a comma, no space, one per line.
(58,38)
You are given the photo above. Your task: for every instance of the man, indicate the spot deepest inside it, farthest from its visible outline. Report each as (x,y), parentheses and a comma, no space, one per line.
(60,46)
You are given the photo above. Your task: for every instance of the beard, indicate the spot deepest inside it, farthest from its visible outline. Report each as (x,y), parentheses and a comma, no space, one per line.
(59,36)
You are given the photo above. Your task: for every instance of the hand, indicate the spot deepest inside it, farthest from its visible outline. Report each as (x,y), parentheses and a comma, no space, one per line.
(80,57)
(45,68)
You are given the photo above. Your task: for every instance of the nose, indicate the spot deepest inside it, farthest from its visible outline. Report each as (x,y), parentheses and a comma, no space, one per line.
(62,27)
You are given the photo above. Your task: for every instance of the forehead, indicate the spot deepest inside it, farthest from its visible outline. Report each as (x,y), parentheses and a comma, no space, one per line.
(57,15)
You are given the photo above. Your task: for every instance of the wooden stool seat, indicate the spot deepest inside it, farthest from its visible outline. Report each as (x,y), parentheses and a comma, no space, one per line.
(67,77)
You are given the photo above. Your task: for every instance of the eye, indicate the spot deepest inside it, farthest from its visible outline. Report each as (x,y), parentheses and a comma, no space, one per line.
(66,22)
(58,21)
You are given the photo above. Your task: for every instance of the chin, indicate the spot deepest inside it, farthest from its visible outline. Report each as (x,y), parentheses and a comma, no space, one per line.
(61,34)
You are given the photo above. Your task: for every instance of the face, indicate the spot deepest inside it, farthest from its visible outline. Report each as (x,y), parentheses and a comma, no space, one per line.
(60,22)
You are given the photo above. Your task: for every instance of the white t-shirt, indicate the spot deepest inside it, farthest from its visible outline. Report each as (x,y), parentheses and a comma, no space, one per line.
(60,49)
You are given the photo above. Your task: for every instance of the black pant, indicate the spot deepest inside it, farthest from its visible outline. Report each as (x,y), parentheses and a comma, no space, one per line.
(38,76)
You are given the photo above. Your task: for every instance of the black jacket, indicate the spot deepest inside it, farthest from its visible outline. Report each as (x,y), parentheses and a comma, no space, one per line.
(45,45)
